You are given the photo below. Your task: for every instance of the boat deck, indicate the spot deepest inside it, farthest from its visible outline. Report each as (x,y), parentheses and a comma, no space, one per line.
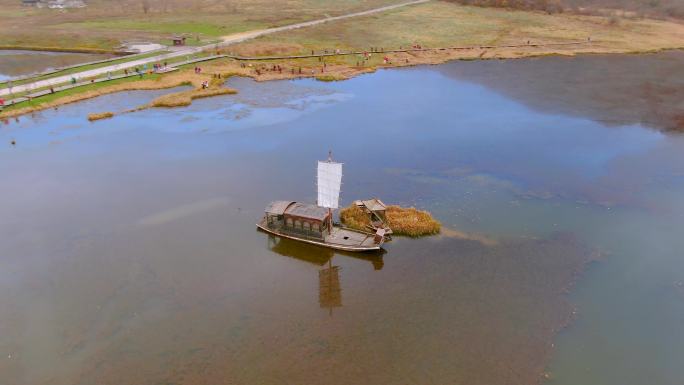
(340,239)
(347,237)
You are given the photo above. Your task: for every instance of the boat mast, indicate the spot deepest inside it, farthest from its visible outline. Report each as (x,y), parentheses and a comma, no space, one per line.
(330,221)
(329,182)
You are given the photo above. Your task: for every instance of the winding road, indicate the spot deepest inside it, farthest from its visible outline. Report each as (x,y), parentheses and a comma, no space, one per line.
(187,51)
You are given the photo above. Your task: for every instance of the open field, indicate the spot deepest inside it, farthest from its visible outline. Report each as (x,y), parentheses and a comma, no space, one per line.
(630,8)
(104,23)
(443,24)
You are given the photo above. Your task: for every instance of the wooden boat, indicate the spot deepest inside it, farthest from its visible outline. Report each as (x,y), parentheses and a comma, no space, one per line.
(313,224)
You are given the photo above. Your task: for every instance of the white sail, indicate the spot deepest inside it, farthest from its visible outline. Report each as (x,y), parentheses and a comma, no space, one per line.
(329,181)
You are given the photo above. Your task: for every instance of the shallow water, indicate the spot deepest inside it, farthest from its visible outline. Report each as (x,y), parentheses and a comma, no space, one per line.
(21,62)
(612,89)
(129,252)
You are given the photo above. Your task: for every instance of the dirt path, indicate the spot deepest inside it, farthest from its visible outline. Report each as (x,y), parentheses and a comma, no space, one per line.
(187,51)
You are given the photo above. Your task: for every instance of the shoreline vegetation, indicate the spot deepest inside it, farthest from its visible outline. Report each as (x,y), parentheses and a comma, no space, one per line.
(262,71)
(462,32)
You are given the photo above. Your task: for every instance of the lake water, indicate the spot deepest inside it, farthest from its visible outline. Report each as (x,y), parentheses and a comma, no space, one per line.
(14,63)
(129,252)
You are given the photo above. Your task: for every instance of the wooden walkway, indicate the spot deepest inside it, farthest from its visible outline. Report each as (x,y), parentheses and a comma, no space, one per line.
(55,70)
(65,87)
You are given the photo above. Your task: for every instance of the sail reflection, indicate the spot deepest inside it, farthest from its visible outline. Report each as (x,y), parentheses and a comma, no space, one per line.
(329,282)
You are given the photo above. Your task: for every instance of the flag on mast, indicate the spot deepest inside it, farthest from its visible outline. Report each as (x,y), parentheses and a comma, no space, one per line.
(329,181)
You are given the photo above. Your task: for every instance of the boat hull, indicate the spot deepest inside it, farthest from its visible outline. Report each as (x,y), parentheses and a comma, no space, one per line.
(336,246)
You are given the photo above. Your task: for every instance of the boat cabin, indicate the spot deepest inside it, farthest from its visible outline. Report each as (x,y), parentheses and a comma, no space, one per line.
(373,206)
(298,218)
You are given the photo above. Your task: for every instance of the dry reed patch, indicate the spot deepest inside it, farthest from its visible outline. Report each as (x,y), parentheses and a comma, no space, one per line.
(101,115)
(185,98)
(411,221)
(403,221)
(355,218)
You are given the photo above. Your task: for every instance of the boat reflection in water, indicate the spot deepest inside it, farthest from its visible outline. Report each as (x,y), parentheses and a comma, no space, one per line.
(329,287)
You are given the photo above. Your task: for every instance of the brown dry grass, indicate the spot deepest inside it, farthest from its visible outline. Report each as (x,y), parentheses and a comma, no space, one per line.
(442,24)
(411,221)
(403,221)
(185,98)
(267,49)
(355,218)
(101,115)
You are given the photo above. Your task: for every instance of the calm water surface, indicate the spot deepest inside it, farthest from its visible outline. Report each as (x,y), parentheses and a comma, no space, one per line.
(129,252)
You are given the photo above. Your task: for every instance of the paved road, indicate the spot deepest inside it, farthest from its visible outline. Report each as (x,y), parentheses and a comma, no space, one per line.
(186,51)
